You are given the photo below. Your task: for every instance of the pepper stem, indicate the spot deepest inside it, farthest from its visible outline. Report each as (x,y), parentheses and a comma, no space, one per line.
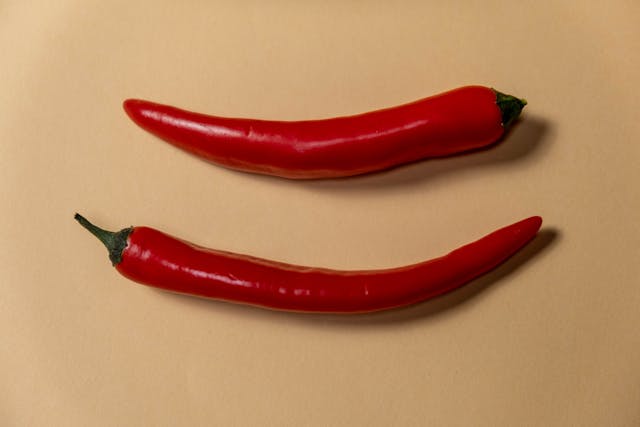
(510,107)
(115,242)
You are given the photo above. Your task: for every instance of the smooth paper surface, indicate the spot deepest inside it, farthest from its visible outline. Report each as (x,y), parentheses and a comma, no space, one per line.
(549,339)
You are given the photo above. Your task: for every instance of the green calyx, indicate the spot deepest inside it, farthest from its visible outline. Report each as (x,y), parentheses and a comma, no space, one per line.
(115,242)
(510,107)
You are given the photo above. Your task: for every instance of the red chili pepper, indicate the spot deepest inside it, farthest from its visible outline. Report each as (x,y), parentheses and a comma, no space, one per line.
(156,259)
(460,120)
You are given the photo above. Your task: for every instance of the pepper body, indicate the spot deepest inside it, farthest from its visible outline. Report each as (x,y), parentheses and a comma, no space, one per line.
(460,120)
(159,260)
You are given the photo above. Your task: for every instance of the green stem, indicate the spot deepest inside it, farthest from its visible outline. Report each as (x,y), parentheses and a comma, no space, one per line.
(115,242)
(510,107)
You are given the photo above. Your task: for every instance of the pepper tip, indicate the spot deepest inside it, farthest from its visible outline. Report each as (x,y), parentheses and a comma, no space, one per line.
(532,223)
(128,104)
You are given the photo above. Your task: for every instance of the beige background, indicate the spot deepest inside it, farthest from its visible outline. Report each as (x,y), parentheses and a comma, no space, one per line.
(550,339)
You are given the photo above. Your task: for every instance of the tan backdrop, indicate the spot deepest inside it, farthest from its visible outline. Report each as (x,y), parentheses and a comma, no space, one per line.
(550,339)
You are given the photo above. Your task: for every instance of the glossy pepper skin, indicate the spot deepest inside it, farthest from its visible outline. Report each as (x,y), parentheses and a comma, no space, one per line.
(460,120)
(156,259)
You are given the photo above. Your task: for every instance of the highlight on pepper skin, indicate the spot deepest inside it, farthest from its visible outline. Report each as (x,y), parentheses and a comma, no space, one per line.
(450,123)
(153,258)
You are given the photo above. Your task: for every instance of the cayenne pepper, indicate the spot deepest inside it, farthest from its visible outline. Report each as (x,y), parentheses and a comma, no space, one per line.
(460,120)
(156,259)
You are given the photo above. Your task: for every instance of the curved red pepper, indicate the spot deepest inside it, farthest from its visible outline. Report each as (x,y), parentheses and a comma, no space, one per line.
(460,120)
(153,258)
